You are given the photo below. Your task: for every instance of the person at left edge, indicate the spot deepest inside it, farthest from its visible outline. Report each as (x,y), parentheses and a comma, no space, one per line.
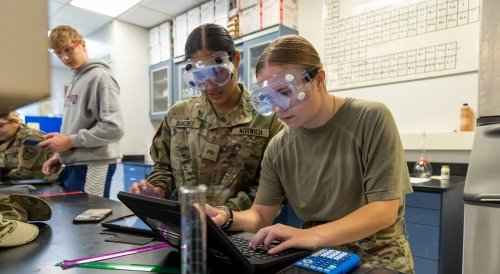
(18,161)
(92,123)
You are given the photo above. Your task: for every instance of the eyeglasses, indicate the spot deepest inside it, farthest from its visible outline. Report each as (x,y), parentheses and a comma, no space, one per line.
(68,50)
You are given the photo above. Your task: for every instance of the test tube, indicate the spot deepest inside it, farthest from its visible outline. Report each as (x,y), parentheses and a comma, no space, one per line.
(193,229)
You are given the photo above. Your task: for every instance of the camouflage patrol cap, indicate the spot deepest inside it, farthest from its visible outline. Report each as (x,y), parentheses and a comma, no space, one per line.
(14,233)
(22,207)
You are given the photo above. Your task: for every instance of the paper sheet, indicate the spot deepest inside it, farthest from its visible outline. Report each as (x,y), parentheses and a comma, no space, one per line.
(417,180)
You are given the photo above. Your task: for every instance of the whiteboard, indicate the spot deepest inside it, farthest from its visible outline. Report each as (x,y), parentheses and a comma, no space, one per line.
(373,42)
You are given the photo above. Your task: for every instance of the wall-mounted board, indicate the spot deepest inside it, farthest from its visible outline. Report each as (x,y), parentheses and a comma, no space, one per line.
(373,42)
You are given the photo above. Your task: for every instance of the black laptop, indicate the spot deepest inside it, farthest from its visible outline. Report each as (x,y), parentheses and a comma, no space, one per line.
(229,250)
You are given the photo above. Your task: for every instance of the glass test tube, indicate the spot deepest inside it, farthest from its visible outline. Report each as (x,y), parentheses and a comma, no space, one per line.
(193,229)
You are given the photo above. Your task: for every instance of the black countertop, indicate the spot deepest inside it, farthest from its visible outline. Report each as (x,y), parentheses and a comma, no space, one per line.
(433,185)
(59,239)
(438,185)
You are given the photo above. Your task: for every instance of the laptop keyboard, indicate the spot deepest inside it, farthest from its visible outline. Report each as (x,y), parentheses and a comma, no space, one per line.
(243,245)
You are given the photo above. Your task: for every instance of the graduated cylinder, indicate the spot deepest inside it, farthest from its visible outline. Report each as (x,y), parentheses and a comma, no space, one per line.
(193,229)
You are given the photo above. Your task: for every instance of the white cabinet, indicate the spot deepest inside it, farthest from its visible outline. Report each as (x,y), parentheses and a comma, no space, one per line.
(160,93)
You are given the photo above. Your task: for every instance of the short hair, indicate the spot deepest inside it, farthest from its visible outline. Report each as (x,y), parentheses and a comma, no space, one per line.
(290,50)
(209,36)
(12,116)
(62,36)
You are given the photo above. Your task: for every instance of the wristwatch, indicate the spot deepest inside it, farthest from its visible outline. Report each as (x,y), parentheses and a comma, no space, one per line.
(229,220)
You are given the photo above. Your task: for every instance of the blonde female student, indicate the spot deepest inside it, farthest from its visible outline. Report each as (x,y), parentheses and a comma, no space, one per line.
(340,163)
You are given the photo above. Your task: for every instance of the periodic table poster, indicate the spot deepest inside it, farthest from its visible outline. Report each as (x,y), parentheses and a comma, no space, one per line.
(374,42)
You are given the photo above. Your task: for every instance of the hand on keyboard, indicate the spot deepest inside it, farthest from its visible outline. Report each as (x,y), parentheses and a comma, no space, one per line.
(289,237)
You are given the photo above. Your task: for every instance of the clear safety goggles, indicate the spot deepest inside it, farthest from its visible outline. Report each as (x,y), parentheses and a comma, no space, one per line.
(285,90)
(216,68)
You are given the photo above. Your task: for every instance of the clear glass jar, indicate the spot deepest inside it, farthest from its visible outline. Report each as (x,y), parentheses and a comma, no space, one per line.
(422,168)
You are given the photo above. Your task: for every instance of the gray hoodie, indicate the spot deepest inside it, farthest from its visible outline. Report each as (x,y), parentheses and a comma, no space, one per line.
(92,116)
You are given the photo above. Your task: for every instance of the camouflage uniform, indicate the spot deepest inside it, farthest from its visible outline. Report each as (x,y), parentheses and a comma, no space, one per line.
(17,209)
(24,208)
(387,248)
(194,146)
(23,162)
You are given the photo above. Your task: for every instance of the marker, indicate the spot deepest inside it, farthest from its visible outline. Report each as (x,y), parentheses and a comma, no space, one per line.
(59,194)
(132,267)
(70,263)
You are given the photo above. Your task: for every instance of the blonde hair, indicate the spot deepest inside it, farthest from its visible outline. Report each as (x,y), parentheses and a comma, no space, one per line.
(12,116)
(62,36)
(290,50)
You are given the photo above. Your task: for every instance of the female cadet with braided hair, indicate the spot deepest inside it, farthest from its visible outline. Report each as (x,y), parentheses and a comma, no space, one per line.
(215,138)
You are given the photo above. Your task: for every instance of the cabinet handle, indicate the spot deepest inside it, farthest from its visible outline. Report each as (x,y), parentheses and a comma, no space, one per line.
(490,200)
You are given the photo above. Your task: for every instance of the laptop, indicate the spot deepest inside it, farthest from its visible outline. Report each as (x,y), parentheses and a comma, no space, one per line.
(229,250)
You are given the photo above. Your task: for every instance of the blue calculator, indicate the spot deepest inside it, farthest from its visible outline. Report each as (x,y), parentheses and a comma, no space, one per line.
(331,261)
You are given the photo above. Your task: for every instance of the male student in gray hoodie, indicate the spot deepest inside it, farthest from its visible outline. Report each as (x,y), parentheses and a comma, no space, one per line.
(92,123)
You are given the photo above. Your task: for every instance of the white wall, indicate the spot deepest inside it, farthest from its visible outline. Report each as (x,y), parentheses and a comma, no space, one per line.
(52,106)
(129,53)
(428,105)
(61,76)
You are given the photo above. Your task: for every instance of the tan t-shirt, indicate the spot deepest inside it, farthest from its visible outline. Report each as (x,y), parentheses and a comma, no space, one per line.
(328,172)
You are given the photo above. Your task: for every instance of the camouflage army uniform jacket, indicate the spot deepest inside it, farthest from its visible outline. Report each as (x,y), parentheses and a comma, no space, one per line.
(23,162)
(194,146)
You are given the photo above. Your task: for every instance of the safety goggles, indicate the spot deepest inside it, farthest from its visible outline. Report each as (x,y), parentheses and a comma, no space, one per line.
(216,68)
(285,90)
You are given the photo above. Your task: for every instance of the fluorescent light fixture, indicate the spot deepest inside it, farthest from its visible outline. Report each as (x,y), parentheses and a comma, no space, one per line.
(111,8)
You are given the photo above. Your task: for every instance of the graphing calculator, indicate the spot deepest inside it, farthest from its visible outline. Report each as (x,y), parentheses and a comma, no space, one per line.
(331,261)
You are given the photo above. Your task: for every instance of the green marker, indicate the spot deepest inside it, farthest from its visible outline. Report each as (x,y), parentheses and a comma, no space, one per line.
(131,267)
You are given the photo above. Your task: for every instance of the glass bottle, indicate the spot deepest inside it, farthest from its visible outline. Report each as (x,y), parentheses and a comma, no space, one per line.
(445,172)
(422,168)
(466,118)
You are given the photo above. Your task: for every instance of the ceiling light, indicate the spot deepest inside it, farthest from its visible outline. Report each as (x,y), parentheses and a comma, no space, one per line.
(111,8)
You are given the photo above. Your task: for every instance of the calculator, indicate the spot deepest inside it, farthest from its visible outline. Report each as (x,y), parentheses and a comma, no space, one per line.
(331,261)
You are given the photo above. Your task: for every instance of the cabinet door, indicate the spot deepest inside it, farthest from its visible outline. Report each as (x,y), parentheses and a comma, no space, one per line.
(241,68)
(182,91)
(160,89)
(132,174)
(256,46)
(253,50)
